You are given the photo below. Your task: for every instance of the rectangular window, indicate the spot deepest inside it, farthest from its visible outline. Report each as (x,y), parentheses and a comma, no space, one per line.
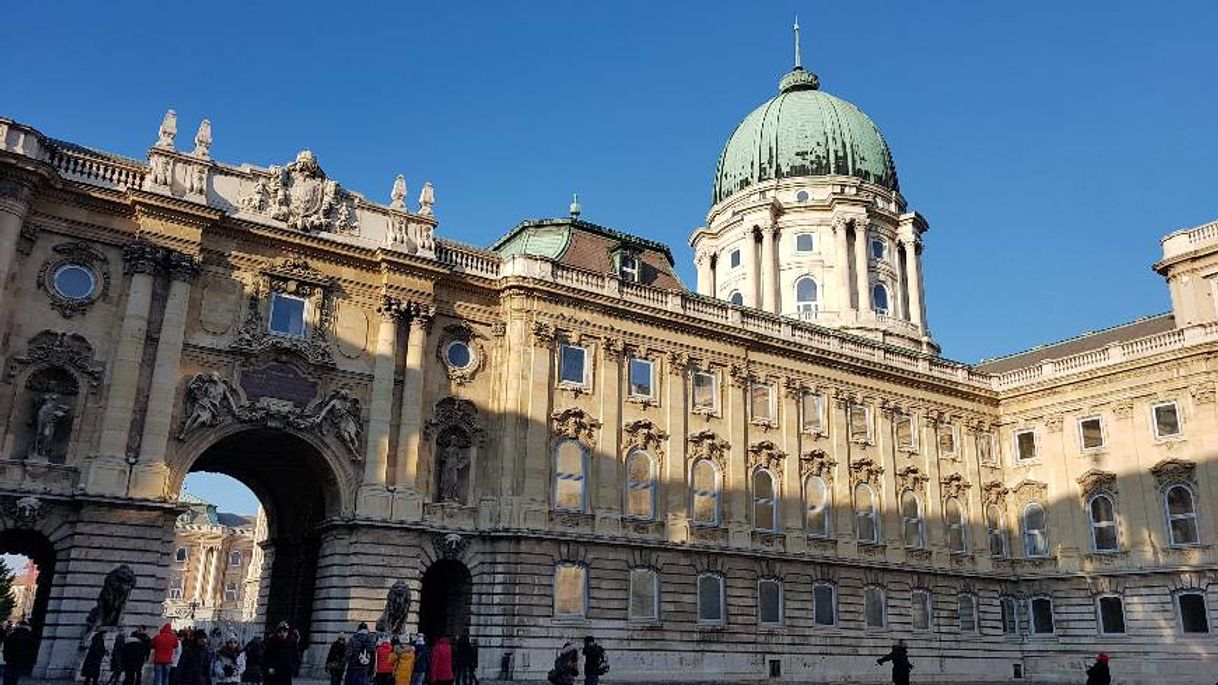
(570,591)
(642,378)
(1010,624)
(175,588)
(1112,615)
(1193,617)
(734,258)
(947,440)
(705,391)
(1042,615)
(1091,433)
(824,606)
(761,402)
(644,594)
(287,315)
(1166,417)
(230,592)
(572,365)
(860,423)
(904,429)
(919,610)
(710,598)
(769,602)
(985,448)
(1025,444)
(874,610)
(629,268)
(813,411)
(804,242)
(967,609)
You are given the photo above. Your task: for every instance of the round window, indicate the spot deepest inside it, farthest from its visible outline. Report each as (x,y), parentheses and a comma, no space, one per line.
(459,354)
(74,282)
(801,196)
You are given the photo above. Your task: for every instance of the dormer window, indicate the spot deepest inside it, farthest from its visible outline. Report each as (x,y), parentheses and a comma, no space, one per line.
(287,315)
(628,268)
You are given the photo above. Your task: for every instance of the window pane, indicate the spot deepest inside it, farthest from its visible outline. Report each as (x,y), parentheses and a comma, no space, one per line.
(805,290)
(761,402)
(817,495)
(639,502)
(803,242)
(919,610)
(947,441)
(737,299)
(570,458)
(904,430)
(705,495)
(878,247)
(873,607)
(1112,615)
(569,476)
(1167,420)
(985,448)
(569,589)
(1092,433)
(704,390)
(769,602)
(1042,616)
(1179,500)
(287,315)
(640,378)
(812,417)
(734,259)
(822,596)
(763,500)
(1184,531)
(1192,613)
(710,598)
(1101,510)
(911,520)
(879,298)
(864,514)
(571,367)
(860,423)
(643,594)
(1025,443)
(1007,605)
(968,614)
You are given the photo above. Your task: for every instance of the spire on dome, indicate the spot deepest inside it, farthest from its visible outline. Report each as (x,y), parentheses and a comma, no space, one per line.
(798,64)
(798,78)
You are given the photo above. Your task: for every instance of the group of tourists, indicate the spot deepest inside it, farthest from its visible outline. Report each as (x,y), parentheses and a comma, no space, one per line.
(898,656)
(367,658)
(566,664)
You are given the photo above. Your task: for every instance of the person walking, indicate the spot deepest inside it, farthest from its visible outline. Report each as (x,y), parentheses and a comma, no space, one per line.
(384,662)
(440,670)
(461,658)
(194,664)
(421,656)
(227,667)
(901,666)
(336,659)
(253,661)
(595,663)
(361,653)
(279,656)
(163,646)
(1098,674)
(403,662)
(135,655)
(90,670)
(116,658)
(566,666)
(18,652)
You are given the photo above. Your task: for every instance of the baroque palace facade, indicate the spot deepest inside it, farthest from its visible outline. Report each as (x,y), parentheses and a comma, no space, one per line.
(773,476)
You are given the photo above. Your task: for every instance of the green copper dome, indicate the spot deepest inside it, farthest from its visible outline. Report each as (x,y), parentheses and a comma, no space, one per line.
(803,131)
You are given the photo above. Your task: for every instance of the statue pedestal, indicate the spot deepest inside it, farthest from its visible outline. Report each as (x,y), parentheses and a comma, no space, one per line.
(106,476)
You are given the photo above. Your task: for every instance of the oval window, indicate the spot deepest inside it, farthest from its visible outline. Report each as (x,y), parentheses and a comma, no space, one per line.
(74,282)
(459,354)
(801,196)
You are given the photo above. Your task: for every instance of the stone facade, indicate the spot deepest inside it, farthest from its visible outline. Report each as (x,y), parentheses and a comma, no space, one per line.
(542,450)
(216,566)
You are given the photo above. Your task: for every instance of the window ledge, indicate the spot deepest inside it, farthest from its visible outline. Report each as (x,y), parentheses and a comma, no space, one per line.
(817,433)
(710,412)
(763,423)
(643,400)
(570,620)
(644,624)
(577,388)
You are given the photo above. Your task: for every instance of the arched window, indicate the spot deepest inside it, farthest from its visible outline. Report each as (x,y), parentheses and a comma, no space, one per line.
(234,558)
(705,492)
(866,528)
(911,520)
(1035,531)
(996,531)
(816,503)
(180,555)
(1181,515)
(879,298)
(806,295)
(736,298)
(957,533)
(570,485)
(1103,523)
(640,485)
(765,504)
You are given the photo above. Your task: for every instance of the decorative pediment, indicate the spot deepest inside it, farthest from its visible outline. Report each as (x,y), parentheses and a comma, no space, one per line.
(68,350)
(1174,472)
(299,195)
(575,424)
(865,470)
(994,493)
(911,478)
(1028,491)
(954,486)
(705,444)
(816,463)
(1095,481)
(454,412)
(643,434)
(291,275)
(765,454)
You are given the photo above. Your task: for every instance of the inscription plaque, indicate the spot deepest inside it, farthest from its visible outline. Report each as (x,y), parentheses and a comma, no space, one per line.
(280,381)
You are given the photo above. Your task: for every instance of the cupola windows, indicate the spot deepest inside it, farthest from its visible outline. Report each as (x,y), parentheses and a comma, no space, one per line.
(879,299)
(879,249)
(805,242)
(806,296)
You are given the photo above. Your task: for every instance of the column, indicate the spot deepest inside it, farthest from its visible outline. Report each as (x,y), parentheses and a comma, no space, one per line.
(862,278)
(380,407)
(607,493)
(769,290)
(706,284)
(411,419)
(751,283)
(913,277)
(166,370)
(143,262)
(14,205)
(735,490)
(792,487)
(673,497)
(841,266)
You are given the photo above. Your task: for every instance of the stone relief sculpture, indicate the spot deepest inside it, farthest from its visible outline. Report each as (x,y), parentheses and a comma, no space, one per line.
(427,199)
(300,195)
(208,398)
(169,129)
(49,416)
(342,411)
(112,599)
(397,198)
(397,608)
(203,140)
(454,460)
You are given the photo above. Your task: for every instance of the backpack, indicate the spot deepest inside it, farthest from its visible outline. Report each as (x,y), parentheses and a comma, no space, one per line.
(604,663)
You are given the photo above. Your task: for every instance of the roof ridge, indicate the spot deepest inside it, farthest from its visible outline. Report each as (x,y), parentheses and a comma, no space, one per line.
(1080,336)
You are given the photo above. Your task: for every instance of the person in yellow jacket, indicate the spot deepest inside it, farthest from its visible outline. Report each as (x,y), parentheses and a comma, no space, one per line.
(403,662)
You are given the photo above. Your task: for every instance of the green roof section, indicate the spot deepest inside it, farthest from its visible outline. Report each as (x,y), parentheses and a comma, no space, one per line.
(550,238)
(803,131)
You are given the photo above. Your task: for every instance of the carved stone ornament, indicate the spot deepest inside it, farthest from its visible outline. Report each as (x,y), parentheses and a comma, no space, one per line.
(543,333)
(449,545)
(816,463)
(954,486)
(643,434)
(678,362)
(212,400)
(68,350)
(293,276)
(397,608)
(79,254)
(865,470)
(921,556)
(112,599)
(1122,409)
(575,424)
(1203,393)
(1174,472)
(994,493)
(143,258)
(300,195)
(911,478)
(615,348)
(765,454)
(1054,423)
(453,412)
(24,512)
(460,334)
(1095,481)
(705,444)
(741,376)
(1028,491)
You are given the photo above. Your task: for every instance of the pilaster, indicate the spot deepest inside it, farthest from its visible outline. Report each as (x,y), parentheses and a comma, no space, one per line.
(735,479)
(608,499)
(752,285)
(410,422)
(673,488)
(769,270)
(380,406)
(792,488)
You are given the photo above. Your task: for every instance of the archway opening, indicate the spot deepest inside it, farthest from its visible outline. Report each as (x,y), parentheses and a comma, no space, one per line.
(30,557)
(444,600)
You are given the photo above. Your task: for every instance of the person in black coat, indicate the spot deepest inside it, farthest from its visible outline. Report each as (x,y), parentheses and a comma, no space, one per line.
(90,670)
(253,661)
(18,653)
(194,664)
(1098,673)
(279,657)
(116,657)
(900,663)
(134,654)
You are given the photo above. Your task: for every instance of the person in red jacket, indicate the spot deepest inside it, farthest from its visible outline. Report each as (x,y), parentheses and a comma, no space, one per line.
(163,647)
(384,662)
(441,670)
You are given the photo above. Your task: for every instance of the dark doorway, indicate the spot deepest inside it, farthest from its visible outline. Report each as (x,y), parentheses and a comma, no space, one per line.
(41,553)
(444,604)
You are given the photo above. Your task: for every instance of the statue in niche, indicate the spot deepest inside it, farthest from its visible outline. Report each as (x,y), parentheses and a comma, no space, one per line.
(48,417)
(112,599)
(397,606)
(207,395)
(453,449)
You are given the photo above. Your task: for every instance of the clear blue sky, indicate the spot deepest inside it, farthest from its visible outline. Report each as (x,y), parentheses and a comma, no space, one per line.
(1049,144)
